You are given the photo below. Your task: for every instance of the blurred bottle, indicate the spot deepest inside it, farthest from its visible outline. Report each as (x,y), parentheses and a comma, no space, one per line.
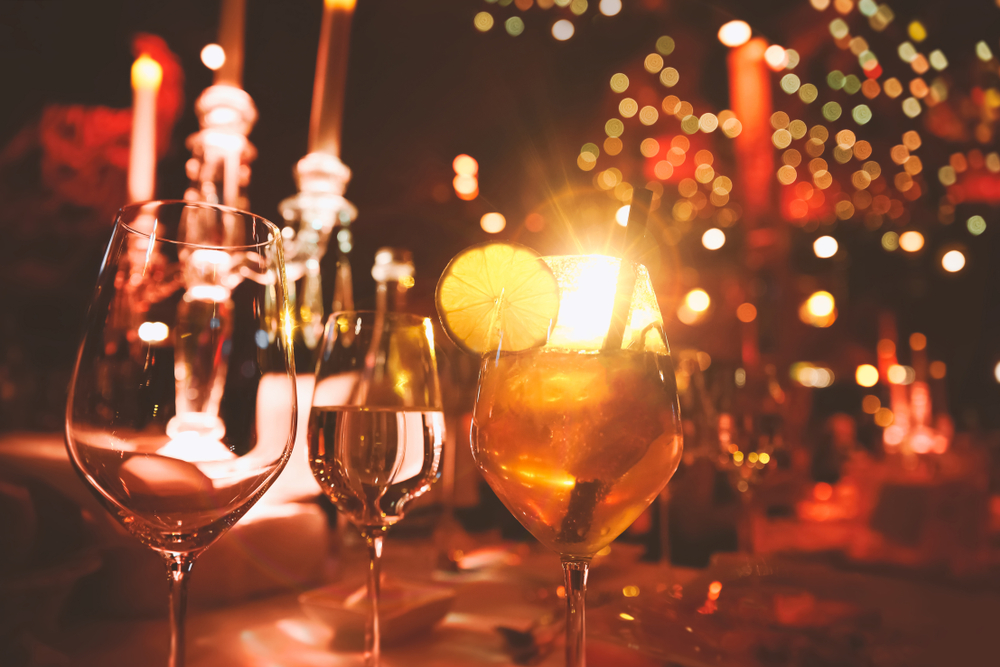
(393,273)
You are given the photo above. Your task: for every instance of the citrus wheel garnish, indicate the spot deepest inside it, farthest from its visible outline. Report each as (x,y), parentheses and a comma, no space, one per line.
(497,296)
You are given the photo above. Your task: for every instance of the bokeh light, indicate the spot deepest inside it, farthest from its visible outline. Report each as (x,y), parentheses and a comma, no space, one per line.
(466,187)
(866,375)
(153,332)
(808,375)
(713,238)
(819,310)
(776,58)
(465,165)
(514,26)
(953,261)
(825,247)
(694,307)
(213,56)
(610,7)
(697,300)
(483,21)
(493,223)
(820,304)
(735,33)
(976,225)
(911,241)
(746,312)
(898,374)
(563,30)
(621,215)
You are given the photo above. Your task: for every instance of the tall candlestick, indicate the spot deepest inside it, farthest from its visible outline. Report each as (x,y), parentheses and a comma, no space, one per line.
(331,74)
(146,77)
(232,20)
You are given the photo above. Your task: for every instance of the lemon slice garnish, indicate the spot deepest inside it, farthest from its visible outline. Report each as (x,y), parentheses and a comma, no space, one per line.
(497,296)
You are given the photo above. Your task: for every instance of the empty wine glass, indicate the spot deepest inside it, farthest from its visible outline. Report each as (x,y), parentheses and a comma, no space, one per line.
(376,427)
(186,340)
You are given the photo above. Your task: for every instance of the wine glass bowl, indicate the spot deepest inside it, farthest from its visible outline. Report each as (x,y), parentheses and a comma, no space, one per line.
(578,436)
(376,427)
(186,339)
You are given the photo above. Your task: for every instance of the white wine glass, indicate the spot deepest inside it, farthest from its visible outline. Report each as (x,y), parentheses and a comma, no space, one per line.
(577,437)
(186,339)
(376,428)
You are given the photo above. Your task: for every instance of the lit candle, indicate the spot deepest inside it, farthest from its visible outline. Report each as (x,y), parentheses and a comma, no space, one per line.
(231,28)
(331,73)
(146,77)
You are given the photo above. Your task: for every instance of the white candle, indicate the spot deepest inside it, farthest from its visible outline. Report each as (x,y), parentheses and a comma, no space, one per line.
(146,77)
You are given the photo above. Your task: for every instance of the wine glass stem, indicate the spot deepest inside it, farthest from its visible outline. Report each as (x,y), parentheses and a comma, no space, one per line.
(575,572)
(178,567)
(373,536)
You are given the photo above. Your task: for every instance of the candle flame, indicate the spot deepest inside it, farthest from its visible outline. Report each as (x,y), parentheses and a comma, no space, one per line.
(146,73)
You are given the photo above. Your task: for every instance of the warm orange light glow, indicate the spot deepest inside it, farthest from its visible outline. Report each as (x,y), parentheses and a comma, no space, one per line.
(747,312)
(825,247)
(467,187)
(146,73)
(694,306)
(866,375)
(621,215)
(714,589)
(811,376)
(911,241)
(697,300)
(340,4)
(213,56)
(918,341)
(953,261)
(713,238)
(493,223)
(735,33)
(776,57)
(898,374)
(153,332)
(820,304)
(822,491)
(465,165)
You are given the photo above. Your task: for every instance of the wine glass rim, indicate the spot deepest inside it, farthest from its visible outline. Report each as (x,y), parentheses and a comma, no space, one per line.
(138,206)
(414,317)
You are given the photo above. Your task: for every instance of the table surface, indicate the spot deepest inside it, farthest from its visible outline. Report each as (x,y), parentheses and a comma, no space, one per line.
(917,624)
(277,631)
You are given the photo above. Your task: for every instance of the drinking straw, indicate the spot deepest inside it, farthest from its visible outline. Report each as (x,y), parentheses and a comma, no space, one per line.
(635,230)
(587,493)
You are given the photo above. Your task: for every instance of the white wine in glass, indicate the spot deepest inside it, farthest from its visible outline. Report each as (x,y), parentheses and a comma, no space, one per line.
(376,428)
(186,340)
